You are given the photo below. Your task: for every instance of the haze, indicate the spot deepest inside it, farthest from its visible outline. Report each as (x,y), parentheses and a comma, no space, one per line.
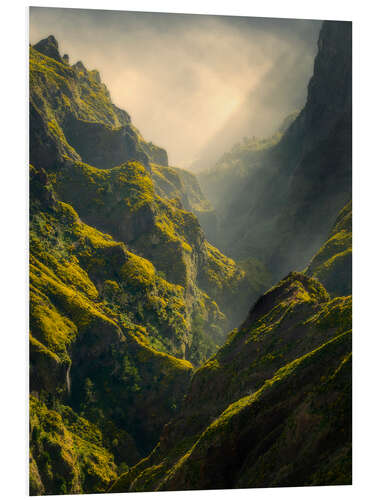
(192,84)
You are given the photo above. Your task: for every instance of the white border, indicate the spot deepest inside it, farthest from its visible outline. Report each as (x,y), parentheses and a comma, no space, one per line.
(13,246)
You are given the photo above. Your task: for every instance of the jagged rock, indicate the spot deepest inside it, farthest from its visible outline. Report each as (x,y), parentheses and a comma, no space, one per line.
(124,286)
(49,47)
(80,68)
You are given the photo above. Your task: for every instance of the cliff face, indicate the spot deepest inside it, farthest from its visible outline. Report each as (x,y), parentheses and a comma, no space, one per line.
(287,204)
(125,289)
(72,116)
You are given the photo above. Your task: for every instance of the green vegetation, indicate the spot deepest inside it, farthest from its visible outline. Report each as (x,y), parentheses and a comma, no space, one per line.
(89,297)
(223,181)
(66,453)
(249,418)
(129,305)
(114,293)
(150,213)
(332,264)
(280,392)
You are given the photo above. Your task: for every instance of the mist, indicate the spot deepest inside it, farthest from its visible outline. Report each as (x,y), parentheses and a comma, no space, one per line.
(192,84)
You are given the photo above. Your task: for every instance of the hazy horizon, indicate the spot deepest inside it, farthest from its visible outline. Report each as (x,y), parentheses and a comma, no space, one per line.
(188,80)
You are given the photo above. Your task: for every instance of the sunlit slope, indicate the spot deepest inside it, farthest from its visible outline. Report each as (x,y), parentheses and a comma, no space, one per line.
(271,408)
(72,116)
(332,264)
(125,291)
(90,346)
(126,200)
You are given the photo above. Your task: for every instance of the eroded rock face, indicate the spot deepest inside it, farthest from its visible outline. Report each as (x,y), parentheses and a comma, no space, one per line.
(49,47)
(273,407)
(125,286)
(102,146)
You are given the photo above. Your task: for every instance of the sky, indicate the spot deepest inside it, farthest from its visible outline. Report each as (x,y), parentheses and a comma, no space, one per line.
(192,84)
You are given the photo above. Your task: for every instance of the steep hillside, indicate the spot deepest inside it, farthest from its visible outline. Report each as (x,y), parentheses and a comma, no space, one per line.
(271,408)
(222,182)
(285,204)
(70,454)
(72,116)
(91,347)
(130,303)
(332,264)
(173,182)
(130,201)
(125,291)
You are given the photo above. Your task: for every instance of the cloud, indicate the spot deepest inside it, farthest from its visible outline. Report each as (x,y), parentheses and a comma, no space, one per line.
(183,77)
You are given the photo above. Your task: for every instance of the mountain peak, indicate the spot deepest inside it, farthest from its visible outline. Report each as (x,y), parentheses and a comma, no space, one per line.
(80,67)
(49,47)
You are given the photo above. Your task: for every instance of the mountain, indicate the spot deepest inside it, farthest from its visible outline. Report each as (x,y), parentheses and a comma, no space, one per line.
(135,384)
(126,293)
(276,94)
(284,199)
(272,407)
(172,182)
(332,265)
(222,182)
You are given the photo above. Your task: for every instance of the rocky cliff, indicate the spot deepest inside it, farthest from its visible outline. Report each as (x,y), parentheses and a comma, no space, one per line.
(288,197)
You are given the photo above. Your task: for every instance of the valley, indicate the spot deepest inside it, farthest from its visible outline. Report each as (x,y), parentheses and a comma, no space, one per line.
(188,331)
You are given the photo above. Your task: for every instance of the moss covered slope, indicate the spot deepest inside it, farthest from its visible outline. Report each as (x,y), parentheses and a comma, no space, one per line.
(332,264)
(127,195)
(119,298)
(172,183)
(126,294)
(285,368)
(91,346)
(294,431)
(67,454)
(72,116)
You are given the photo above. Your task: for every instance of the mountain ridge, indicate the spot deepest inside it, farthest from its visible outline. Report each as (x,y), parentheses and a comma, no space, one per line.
(124,287)
(135,383)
